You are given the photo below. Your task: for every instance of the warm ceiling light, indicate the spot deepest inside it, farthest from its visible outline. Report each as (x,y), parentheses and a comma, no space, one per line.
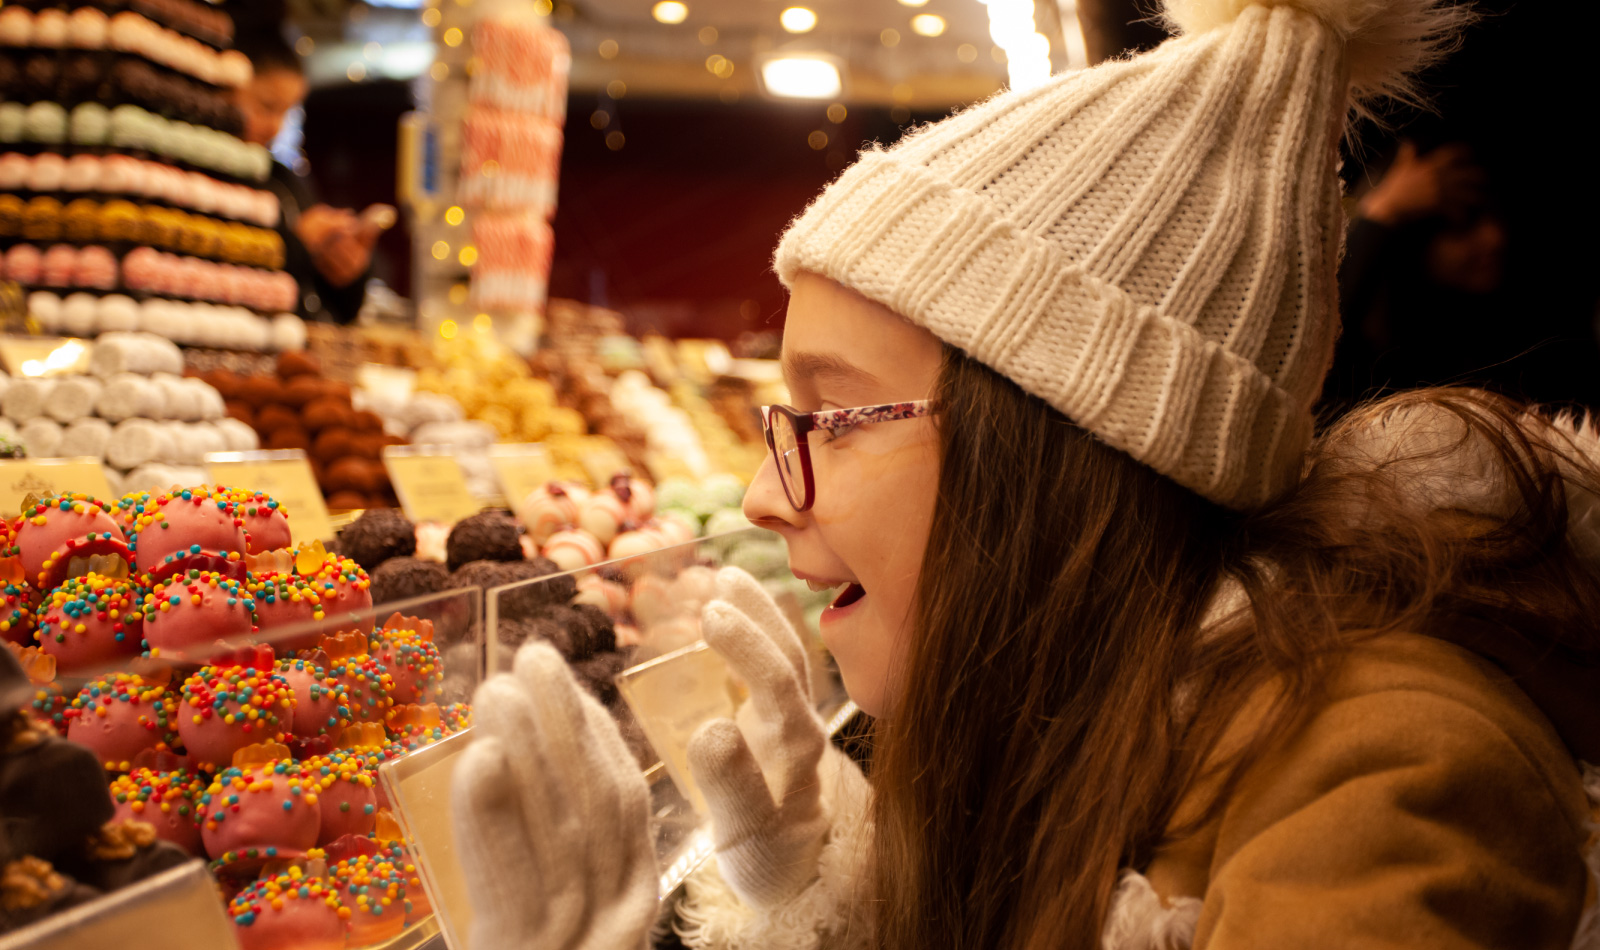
(670,11)
(798,20)
(913,3)
(801,77)
(927,24)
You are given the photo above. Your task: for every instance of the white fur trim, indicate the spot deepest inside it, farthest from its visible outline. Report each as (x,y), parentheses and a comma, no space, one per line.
(1137,919)
(833,909)
(1588,935)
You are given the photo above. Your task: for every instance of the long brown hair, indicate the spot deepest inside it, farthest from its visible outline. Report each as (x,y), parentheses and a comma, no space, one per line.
(1040,745)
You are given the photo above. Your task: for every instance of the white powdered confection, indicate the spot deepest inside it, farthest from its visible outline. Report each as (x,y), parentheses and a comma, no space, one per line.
(210,401)
(80,315)
(135,442)
(117,313)
(73,398)
(238,436)
(180,400)
(431,407)
(26,398)
(86,438)
(204,438)
(186,448)
(42,437)
(288,332)
(151,477)
(129,396)
(45,307)
(465,435)
(142,353)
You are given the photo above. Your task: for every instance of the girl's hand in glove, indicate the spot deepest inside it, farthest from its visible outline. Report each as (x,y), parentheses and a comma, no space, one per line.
(761,777)
(552,817)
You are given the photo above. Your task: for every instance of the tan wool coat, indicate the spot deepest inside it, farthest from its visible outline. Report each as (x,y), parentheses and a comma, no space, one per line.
(1428,803)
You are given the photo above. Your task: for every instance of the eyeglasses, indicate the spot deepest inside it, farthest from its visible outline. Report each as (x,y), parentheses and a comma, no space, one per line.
(787,433)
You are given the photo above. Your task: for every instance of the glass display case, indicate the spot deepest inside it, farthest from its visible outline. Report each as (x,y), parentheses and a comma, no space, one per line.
(253,754)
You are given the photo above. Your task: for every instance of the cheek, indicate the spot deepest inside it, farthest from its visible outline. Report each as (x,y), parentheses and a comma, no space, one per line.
(874,511)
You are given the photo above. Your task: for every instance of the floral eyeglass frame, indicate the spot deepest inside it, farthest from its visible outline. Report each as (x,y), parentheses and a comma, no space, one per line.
(786,431)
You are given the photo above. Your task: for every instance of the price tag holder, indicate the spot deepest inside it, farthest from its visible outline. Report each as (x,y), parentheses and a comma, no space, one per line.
(430,484)
(521,467)
(286,476)
(674,695)
(419,784)
(20,478)
(44,355)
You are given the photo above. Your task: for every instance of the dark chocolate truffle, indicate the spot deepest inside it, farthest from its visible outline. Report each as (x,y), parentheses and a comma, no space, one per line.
(529,599)
(378,535)
(53,793)
(602,632)
(401,578)
(491,535)
(598,675)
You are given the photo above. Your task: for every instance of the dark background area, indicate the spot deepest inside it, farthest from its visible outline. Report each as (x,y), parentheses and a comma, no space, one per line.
(676,228)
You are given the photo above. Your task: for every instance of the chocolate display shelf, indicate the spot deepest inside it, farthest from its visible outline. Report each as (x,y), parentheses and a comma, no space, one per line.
(140,200)
(68,149)
(140,296)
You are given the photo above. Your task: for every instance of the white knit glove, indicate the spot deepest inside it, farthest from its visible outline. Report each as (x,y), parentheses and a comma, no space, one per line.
(552,817)
(789,812)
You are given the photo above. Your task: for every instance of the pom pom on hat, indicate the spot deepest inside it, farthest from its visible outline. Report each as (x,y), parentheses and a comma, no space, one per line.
(1387,42)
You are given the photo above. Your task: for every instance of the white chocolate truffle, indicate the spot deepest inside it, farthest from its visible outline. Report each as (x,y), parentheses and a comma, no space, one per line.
(45,307)
(26,398)
(86,438)
(118,313)
(73,398)
(288,332)
(238,435)
(42,438)
(14,167)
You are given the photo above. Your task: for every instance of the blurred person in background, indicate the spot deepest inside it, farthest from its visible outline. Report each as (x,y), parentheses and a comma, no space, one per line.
(327,249)
(1424,296)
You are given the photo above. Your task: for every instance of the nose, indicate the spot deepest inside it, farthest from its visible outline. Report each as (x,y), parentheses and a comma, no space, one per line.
(765,504)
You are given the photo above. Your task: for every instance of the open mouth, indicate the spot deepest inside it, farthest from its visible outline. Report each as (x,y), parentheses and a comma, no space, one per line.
(851,593)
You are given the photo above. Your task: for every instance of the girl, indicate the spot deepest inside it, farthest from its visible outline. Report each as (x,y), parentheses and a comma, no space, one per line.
(1151,667)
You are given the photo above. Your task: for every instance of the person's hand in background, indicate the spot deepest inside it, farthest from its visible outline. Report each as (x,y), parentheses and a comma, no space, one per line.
(1444,182)
(339,241)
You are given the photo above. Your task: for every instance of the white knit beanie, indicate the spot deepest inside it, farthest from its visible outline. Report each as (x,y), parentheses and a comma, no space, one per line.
(1150,245)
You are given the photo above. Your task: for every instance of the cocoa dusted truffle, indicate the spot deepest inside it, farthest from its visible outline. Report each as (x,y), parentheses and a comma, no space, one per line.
(602,632)
(598,675)
(378,535)
(572,631)
(530,599)
(487,536)
(401,578)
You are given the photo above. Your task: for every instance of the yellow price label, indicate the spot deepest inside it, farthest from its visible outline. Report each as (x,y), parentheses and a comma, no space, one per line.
(521,467)
(431,486)
(284,475)
(20,478)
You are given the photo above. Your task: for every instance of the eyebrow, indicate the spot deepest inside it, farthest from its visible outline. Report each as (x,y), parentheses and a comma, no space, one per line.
(812,366)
